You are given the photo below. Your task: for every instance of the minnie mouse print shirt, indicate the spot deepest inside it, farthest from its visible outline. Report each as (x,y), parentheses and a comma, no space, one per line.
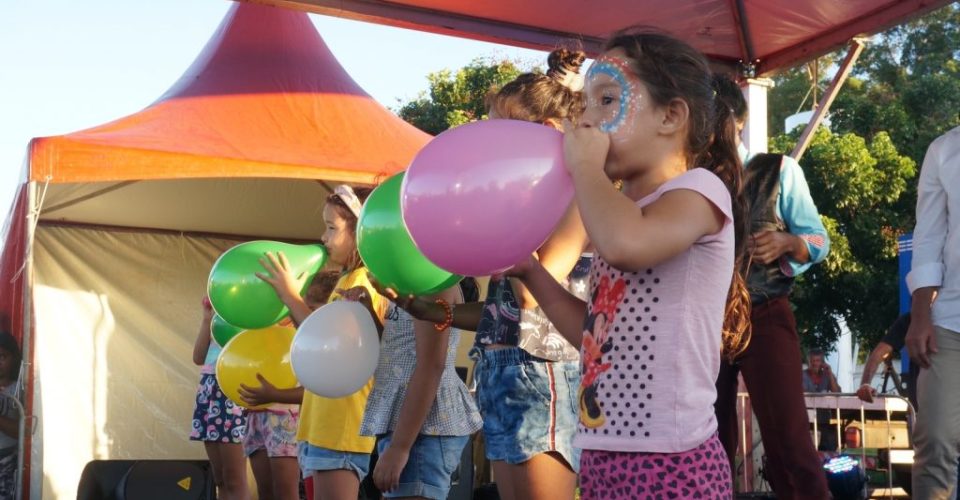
(651,341)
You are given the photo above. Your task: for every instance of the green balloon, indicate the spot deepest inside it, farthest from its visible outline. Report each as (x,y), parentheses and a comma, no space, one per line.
(222,331)
(244,300)
(387,249)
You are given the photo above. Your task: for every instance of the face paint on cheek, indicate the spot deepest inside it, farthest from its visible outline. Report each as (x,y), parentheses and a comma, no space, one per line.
(621,113)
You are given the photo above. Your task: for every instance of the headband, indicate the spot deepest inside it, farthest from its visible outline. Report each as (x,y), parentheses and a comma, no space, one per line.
(349,198)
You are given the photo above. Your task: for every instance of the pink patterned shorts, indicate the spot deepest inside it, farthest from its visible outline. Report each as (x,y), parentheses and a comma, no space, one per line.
(273,430)
(702,472)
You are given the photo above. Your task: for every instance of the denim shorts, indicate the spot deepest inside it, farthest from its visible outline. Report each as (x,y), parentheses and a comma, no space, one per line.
(315,459)
(529,405)
(433,459)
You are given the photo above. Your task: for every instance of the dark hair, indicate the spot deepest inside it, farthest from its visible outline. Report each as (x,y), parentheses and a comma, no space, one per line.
(470,289)
(816,351)
(343,210)
(671,69)
(10,345)
(538,97)
(730,94)
(322,286)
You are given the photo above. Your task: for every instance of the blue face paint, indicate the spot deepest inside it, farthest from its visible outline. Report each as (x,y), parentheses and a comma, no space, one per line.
(617,71)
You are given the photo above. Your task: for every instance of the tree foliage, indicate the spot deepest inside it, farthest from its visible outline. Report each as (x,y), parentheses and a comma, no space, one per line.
(904,92)
(455,98)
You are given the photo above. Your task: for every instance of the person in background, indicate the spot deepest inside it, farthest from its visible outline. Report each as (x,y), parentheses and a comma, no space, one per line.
(787,238)
(527,374)
(332,452)
(933,338)
(892,342)
(818,376)
(9,413)
(218,422)
(271,438)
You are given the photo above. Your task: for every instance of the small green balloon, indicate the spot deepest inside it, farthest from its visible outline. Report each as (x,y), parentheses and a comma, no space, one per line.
(387,249)
(222,331)
(244,300)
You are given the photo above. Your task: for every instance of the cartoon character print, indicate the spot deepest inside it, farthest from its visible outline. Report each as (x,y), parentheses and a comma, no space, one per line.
(596,343)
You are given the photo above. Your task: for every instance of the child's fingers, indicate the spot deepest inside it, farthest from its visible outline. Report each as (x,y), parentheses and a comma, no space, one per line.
(283,260)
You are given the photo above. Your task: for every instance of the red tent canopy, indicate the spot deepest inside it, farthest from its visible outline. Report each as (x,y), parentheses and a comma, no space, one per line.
(225,152)
(265,98)
(770,33)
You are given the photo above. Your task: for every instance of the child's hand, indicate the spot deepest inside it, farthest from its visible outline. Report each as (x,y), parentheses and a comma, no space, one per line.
(207,308)
(279,277)
(866,392)
(584,148)
(416,306)
(386,475)
(266,394)
(519,270)
(358,294)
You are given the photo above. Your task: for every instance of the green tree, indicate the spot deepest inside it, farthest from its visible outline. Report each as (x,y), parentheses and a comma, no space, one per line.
(857,185)
(457,97)
(904,92)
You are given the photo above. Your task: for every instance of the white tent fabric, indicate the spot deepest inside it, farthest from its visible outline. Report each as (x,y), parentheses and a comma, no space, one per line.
(117,313)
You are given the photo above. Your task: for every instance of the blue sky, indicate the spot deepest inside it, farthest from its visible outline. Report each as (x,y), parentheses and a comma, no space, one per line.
(66,65)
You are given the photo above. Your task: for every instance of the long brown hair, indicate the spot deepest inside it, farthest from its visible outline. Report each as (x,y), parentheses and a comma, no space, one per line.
(672,69)
(343,210)
(538,97)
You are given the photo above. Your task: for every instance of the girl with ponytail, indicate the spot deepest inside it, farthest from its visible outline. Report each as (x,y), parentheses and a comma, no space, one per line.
(667,294)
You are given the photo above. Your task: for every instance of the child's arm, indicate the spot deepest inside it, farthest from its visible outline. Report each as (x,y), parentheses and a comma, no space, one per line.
(562,308)
(202,344)
(559,254)
(465,316)
(627,237)
(286,285)
(267,393)
(431,350)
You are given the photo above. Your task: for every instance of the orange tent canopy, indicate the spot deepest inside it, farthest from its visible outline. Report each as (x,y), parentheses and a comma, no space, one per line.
(265,98)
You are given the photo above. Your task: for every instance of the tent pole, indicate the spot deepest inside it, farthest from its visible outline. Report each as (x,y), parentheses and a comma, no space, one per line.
(856,47)
(25,455)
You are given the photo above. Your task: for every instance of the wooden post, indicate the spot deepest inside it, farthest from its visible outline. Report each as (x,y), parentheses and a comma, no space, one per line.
(856,46)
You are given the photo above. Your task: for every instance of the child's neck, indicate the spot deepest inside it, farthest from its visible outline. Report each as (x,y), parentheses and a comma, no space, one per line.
(647,182)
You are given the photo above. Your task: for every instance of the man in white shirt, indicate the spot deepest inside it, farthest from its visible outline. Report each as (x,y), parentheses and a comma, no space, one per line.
(933,338)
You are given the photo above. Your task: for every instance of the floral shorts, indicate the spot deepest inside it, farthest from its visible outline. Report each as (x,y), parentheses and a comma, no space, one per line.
(273,430)
(216,418)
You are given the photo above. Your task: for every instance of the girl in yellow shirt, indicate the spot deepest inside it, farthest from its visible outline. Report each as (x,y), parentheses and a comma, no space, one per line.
(332,451)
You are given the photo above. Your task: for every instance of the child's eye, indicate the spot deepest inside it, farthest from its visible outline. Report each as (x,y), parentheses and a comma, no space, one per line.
(607,99)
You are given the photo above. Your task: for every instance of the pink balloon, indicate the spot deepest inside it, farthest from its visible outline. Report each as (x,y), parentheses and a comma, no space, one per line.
(481,197)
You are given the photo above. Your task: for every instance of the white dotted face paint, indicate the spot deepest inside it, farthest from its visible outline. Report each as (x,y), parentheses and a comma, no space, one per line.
(613,94)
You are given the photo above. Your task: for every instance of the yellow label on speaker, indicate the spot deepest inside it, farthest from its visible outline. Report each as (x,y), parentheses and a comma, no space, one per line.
(184,483)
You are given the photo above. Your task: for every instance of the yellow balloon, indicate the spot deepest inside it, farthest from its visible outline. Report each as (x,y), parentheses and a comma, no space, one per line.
(265,351)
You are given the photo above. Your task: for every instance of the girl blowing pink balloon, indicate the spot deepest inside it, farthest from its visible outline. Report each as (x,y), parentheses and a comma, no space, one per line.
(669,244)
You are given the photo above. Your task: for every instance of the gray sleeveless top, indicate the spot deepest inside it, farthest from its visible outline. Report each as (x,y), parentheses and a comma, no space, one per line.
(454,412)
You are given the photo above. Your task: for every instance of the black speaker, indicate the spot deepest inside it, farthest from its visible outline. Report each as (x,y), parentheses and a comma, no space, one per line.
(146,480)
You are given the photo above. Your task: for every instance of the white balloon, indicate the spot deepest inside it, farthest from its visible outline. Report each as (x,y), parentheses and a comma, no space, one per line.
(336,349)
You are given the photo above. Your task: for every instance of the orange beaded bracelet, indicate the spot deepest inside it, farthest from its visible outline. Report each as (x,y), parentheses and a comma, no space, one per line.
(448,311)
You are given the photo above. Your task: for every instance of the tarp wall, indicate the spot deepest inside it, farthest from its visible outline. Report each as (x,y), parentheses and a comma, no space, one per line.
(117,313)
